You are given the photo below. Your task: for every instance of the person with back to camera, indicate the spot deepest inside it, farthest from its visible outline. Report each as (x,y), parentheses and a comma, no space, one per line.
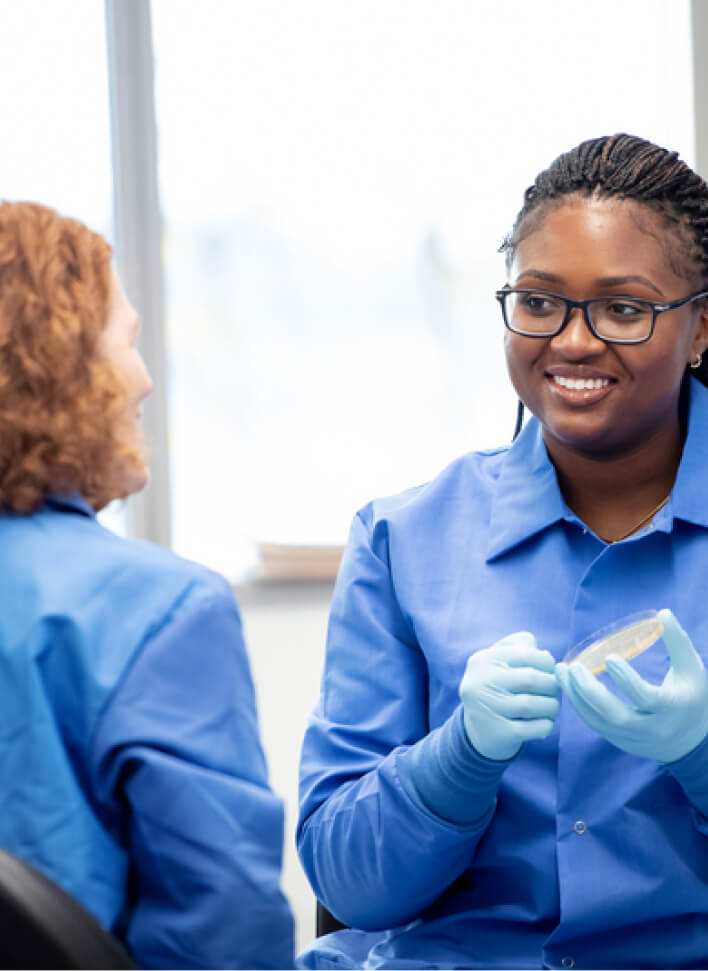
(131,770)
(467,799)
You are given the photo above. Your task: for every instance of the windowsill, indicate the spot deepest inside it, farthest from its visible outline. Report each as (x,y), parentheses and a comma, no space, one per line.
(291,573)
(285,562)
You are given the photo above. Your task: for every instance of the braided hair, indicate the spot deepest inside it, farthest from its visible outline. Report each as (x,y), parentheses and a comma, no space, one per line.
(629,168)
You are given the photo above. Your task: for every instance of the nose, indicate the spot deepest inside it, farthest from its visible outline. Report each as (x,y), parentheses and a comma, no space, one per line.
(147,383)
(576,340)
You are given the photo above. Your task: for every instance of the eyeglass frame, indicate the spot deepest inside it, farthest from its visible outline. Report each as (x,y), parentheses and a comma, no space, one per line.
(570,305)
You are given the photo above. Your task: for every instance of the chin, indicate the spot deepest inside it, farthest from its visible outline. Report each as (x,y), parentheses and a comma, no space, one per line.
(135,479)
(138,482)
(581,436)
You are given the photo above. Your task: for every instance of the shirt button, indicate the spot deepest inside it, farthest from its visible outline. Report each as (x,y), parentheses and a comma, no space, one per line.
(568,962)
(580,828)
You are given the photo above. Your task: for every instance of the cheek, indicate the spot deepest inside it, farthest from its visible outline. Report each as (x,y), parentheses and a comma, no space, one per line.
(512,351)
(671,347)
(521,355)
(663,367)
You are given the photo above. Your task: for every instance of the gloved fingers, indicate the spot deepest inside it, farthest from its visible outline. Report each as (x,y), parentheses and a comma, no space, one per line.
(527,681)
(563,676)
(519,651)
(685,660)
(591,699)
(525,730)
(526,707)
(641,693)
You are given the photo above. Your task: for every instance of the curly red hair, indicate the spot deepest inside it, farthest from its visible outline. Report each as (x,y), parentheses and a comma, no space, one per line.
(60,401)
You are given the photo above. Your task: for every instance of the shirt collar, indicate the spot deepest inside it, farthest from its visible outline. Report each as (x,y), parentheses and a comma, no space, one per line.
(528,499)
(72,502)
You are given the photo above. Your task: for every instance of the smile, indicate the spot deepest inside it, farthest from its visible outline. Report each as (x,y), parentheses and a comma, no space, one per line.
(581,384)
(580,392)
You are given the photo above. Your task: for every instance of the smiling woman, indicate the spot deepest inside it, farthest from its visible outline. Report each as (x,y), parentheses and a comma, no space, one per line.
(460,783)
(636,404)
(603,375)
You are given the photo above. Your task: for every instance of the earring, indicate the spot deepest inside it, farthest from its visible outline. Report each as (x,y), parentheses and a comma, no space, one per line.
(696,362)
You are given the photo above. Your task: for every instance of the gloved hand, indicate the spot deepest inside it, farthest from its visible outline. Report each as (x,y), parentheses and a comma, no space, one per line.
(508,696)
(668,720)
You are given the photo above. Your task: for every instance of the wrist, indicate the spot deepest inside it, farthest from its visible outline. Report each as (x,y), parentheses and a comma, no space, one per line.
(449,776)
(499,750)
(691,772)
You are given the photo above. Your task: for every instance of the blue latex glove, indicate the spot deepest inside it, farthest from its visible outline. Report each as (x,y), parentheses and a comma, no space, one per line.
(667,721)
(508,695)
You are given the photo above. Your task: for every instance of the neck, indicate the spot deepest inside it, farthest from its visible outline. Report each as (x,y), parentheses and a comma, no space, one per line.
(611,494)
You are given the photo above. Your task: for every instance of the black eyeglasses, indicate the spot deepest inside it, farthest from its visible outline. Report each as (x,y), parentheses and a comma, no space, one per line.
(617,320)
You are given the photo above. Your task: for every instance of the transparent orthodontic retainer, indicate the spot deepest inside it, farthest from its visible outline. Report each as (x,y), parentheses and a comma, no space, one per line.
(628,637)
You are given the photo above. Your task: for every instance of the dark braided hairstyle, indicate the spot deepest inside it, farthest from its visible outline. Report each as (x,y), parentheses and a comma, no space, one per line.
(629,168)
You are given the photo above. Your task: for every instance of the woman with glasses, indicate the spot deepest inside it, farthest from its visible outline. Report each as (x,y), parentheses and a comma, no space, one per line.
(131,769)
(469,799)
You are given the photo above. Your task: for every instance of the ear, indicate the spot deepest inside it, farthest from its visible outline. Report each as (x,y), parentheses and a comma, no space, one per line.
(700,338)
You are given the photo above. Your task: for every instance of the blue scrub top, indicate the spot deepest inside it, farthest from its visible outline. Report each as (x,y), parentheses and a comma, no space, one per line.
(573,854)
(131,769)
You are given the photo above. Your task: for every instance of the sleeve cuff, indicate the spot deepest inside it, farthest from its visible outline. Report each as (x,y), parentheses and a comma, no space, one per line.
(447,774)
(691,772)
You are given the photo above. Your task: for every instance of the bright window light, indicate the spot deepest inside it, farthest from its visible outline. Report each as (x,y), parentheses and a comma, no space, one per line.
(336,179)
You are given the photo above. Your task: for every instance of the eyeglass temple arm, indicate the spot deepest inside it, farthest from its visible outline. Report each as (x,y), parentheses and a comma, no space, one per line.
(661,307)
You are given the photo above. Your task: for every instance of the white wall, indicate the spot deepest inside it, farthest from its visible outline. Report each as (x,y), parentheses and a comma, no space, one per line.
(285,627)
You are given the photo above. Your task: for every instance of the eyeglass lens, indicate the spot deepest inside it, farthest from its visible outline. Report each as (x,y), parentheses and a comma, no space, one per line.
(538,314)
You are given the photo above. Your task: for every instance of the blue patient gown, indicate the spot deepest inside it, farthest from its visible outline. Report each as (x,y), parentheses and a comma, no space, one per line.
(573,854)
(131,770)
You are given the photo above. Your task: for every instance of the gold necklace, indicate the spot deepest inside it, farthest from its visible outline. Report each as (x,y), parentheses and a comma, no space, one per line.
(638,525)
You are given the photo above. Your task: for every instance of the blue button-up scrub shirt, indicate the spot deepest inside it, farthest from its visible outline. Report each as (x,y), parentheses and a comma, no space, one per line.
(574,853)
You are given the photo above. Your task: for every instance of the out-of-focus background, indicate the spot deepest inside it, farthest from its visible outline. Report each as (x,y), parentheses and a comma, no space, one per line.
(306,201)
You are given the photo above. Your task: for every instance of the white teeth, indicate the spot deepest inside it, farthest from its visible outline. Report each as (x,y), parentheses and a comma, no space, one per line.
(581,384)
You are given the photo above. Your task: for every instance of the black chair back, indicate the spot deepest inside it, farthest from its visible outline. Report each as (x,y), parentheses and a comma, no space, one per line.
(42,926)
(325,922)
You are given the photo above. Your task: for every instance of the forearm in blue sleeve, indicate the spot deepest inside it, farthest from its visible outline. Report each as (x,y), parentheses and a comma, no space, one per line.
(206,855)
(177,756)
(379,851)
(449,777)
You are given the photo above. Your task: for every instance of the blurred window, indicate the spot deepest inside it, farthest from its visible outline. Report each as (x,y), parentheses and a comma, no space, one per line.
(56,143)
(336,178)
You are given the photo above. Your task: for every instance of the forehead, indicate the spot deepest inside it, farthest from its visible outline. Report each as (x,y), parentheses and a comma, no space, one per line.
(589,238)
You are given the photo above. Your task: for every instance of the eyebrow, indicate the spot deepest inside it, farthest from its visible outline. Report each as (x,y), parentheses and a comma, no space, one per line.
(612,281)
(605,281)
